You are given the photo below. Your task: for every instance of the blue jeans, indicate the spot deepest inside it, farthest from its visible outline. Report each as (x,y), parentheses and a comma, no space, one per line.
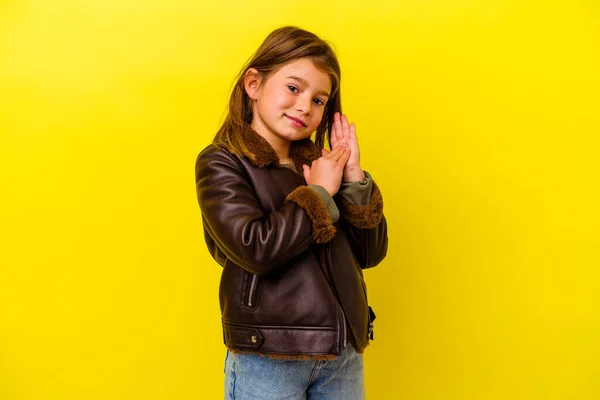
(253,377)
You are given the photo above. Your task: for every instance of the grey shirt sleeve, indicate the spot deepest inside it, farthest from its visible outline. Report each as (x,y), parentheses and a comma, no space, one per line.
(328,200)
(358,193)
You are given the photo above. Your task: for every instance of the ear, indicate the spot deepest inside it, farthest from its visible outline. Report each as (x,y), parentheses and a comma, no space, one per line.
(252,82)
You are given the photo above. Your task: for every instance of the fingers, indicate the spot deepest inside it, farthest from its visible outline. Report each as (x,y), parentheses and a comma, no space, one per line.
(336,153)
(324,152)
(345,128)
(337,123)
(334,131)
(352,131)
(343,131)
(332,137)
(306,171)
(341,162)
(339,154)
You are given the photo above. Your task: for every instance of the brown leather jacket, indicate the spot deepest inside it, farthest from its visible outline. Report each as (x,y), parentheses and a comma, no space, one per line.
(292,281)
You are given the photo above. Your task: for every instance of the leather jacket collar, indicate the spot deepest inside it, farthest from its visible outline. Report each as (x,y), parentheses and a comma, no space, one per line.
(261,154)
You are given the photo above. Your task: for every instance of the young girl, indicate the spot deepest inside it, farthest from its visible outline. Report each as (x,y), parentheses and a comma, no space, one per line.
(293,226)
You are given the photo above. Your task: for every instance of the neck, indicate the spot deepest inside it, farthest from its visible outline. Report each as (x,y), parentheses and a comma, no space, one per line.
(281,146)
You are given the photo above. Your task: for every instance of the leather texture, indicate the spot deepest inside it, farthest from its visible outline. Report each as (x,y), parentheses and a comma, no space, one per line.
(292,280)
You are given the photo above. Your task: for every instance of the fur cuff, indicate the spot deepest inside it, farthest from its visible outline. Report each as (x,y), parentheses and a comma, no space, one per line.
(367,216)
(307,198)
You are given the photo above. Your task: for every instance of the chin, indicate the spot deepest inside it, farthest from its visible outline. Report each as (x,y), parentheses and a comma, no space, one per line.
(295,135)
(301,136)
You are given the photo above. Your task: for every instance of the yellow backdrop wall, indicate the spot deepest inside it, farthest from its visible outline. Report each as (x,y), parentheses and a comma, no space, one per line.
(478,119)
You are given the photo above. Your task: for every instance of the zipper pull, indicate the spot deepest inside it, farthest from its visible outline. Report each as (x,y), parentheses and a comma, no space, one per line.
(371,319)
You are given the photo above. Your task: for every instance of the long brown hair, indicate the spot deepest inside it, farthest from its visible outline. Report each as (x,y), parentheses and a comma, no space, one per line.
(283,45)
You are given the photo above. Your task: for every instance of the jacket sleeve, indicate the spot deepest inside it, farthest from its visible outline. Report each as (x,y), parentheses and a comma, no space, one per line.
(239,228)
(366,225)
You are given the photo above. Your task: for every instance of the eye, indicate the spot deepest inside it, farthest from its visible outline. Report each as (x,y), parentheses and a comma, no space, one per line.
(292,88)
(319,102)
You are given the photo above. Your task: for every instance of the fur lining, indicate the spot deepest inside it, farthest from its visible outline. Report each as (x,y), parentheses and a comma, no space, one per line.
(303,152)
(367,216)
(305,197)
(361,349)
(327,357)
(261,154)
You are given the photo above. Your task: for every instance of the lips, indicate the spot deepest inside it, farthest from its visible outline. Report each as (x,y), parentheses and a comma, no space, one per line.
(297,120)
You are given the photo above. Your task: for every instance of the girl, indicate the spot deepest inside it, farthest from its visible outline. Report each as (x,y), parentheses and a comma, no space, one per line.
(293,225)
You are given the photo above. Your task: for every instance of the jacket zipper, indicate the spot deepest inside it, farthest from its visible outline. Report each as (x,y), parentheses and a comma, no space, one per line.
(251,290)
(343,328)
(326,249)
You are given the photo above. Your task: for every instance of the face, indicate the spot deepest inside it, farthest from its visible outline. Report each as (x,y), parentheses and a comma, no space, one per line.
(289,105)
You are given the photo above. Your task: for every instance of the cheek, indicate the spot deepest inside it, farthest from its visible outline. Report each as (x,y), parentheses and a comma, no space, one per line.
(286,99)
(274,102)
(283,96)
(318,114)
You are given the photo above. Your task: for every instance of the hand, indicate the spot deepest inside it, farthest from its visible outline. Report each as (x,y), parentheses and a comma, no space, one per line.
(327,170)
(342,132)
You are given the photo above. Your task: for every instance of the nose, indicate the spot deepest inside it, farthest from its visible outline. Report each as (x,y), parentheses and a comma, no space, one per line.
(304,105)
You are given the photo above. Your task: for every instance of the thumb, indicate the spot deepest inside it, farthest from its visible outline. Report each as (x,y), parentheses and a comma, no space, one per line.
(324,152)
(306,170)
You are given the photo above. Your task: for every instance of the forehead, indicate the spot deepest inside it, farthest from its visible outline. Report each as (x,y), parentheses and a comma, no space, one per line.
(306,70)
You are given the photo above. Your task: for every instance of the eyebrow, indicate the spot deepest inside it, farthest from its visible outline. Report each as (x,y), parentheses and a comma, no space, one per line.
(304,82)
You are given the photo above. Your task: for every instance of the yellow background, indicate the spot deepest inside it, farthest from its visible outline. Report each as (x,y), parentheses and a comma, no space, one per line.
(478,119)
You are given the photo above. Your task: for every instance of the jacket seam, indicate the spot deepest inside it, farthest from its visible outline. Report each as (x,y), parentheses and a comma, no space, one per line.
(280,327)
(283,353)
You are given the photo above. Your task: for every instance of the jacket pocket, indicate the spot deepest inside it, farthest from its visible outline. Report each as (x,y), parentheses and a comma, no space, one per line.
(249,292)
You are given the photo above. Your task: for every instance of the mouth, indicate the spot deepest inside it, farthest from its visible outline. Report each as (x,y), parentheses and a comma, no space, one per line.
(296,121)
